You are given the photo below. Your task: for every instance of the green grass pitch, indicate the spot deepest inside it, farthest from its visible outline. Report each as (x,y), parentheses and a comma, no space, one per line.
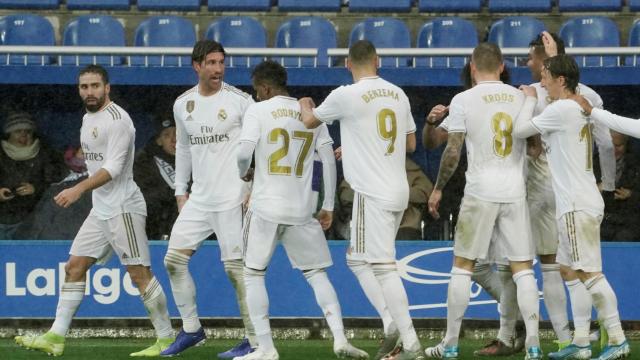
(111,349)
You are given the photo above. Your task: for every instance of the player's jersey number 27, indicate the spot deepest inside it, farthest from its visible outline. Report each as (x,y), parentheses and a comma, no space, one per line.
(276,158)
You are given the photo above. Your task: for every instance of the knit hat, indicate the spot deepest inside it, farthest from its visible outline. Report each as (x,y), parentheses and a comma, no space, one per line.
(18,121)
(164,123)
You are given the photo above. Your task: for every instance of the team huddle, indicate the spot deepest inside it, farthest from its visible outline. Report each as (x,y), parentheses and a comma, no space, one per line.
(240,163)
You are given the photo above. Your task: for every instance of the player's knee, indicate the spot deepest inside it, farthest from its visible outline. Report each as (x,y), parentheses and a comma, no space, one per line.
(176,262)
(250,272)
(139,275)
(232,267)
(75,269)
(308,274)
(357,266)
(481,272)
(385,268)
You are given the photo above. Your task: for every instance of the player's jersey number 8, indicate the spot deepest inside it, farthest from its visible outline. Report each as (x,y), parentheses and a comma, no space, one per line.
(502,126)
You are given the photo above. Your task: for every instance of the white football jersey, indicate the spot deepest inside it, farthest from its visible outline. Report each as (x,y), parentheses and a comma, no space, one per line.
(486,113)
(568,142)
(283,160)
(375,118)
(207,132)
(108,142)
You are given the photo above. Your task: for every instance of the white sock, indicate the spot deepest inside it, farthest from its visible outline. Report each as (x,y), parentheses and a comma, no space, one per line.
(508,306)
(328,301)
(529,304)
(458,295)
(183,288)
(156,304)
(606,303)
(71,296)
(234,270)
(484,275)
(581,311)
(373,291)
(555,299)
(258,304)
(396,299)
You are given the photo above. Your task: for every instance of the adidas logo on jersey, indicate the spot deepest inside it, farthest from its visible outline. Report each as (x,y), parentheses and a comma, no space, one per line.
(125,256)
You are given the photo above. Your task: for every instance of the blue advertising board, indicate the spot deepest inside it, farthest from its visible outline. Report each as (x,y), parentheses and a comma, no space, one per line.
(31,273)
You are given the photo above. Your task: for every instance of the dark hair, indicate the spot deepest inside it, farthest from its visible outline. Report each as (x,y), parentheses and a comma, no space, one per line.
(95,69)
(270,72)
(564,65)
(467,81)
(538,45)
(362,51)
(487,57)
(202,48)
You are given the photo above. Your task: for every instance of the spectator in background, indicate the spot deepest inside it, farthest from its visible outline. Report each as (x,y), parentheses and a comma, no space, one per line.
(154,172)
(419,190)
(619,223)
(27,167)
(49,221)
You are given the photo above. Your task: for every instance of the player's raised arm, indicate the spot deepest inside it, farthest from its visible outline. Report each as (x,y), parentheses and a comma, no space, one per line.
(306,109)
(621,124)
(523,127)
(432,134)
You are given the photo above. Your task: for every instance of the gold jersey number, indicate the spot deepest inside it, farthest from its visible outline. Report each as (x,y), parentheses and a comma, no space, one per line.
(502,126)
(274,137)
(388,128)
(586,136)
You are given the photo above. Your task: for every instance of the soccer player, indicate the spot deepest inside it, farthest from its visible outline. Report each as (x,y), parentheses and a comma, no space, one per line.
(567,137)
(377,129)
(281,206)
(484,116)
(116,222)
(208,124)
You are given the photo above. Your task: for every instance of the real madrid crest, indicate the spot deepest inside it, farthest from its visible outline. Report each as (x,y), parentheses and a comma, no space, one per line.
(222,115)
(94,132)
(190,106)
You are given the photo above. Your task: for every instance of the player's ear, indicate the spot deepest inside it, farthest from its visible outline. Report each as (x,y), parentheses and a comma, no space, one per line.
(107,89)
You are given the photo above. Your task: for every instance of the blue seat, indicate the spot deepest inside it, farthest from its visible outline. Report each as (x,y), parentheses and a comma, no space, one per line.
(170,5)
(449,5)
(309,5)
(307,32)
(98,4)
(26,29)
(519,5)
(634,5)
(592,5)
(383,32)
(379,5)
(167,31)
(591,31)
(238,31)
(446,32)
(634,40)
(29,4)
(93,30)
(239,5)
(515,32)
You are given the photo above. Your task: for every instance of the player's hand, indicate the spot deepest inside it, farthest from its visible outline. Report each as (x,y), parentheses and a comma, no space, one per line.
(245,202)
(338,153)
(437,114)
(584,103)
(550,46)
(25,189)
(307,103)
(325,218)
(181,200)
(529,91)
(622,194)
(434,203)
(6,194)
(249,175)
(68,196)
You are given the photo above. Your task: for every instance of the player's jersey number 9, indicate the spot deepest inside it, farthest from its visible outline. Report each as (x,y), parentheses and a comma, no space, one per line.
(274,137)
(388,128)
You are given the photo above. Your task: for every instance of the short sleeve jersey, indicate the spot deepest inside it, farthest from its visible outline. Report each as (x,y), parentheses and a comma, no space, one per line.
(567,135)
(375,117)
(108,142)
(486,113)
(283,160)
(208,127)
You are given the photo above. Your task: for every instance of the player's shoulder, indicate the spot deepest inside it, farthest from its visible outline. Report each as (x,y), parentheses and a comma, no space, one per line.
(230,89)
(187,94)
(116,112)
(589,93)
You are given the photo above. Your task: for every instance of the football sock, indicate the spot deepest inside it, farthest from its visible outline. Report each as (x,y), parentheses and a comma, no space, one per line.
(156,304)
(258,304)
(606,303)
(70,298)
(396,299)
(581,310)
(484,275)
(328,301)
(529,304)
(234,270)
(183,288)
(555,300)
(372,289)
(508,306)
(458,295)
